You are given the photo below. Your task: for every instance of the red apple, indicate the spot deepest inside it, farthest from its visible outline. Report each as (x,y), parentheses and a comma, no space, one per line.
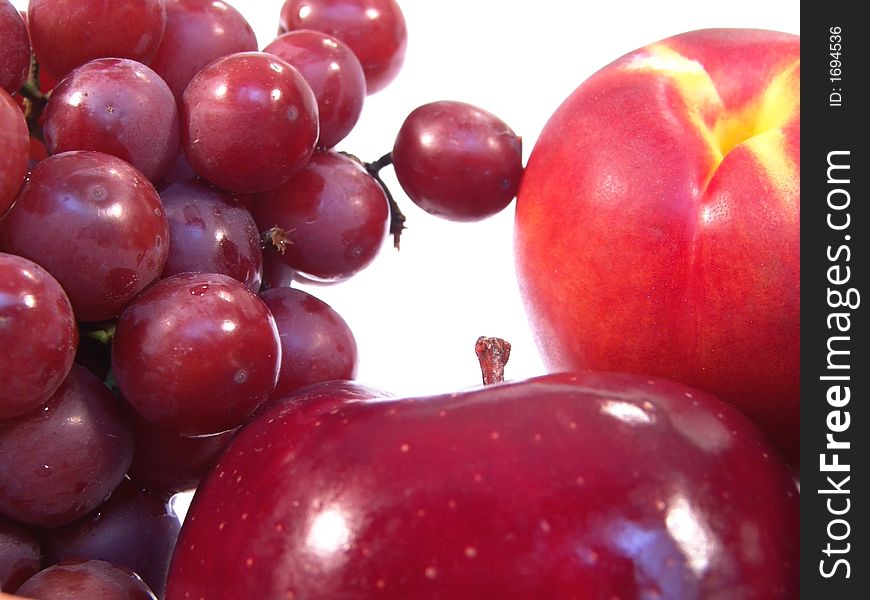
(565,486)
(658,222)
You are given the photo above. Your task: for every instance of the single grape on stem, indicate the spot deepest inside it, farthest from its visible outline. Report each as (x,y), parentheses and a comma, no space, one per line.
(457,161)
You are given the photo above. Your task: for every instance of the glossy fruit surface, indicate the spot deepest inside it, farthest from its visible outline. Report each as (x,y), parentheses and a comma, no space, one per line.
(37,320)
(196,353)
(134,528)
(335,75)
(210,232)
(333,218)
(374,29)
(198,32)
(249,122)
(117,106)
(658,231)
(316,343)
(167,462)
(276,273)
(457,161)
(62,460)
(86,580)
(15,49)
(96,224)
(14,140)
(20,553)
(565,486)
(69,33)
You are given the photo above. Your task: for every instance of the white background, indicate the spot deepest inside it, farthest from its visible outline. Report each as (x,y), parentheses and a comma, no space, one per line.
(416,313)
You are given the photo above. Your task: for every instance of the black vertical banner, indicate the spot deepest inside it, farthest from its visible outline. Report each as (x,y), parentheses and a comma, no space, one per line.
(835,370)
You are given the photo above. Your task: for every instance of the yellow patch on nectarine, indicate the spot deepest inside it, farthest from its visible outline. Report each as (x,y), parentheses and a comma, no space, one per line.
(725,129)
(779,166)
(694,84)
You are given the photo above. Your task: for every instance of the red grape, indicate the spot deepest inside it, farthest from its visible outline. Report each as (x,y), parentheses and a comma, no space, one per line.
(276,273)
(374,29)
(457,161)
(96,224)
(36,319)
(249,121)
(333,216)
(211,232)
(117,106)
(316,343)
(196,353)
(168,462)
(20,553)
(133,528)
(335,75)
(14,49)
(86,580)
(198,32)
(69,33)
(63,459)
(15,144)
(180,170)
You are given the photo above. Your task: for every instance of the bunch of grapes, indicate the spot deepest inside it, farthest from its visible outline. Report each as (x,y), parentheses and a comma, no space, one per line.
(163,182)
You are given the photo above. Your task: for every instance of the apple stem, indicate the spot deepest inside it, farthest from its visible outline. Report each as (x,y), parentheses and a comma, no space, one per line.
(493,354)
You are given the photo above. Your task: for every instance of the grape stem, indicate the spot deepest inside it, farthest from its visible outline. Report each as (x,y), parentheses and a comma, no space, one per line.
(35,99)
(103,335)
(493,354)
(275,237)
(397,219)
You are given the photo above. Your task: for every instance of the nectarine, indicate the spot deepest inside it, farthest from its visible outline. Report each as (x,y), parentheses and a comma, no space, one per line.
(658,222)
